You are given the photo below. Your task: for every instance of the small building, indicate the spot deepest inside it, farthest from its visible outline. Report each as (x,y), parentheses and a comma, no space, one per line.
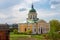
(36,25)
(4,32)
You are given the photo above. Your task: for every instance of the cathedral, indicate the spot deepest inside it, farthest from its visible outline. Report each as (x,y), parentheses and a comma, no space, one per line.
(36,25)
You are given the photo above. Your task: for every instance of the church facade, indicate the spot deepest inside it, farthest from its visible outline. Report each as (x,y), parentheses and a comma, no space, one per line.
(34,24)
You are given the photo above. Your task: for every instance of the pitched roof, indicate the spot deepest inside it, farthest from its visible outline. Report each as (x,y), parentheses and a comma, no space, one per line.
(4,27)
(42,21)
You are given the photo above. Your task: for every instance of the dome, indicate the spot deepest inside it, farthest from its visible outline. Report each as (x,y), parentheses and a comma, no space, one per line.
(32,9)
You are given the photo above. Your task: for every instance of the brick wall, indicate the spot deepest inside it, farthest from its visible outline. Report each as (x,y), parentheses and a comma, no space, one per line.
(4,35)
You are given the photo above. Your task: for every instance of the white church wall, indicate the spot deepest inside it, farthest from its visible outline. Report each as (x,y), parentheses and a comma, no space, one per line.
(34,29)
(39,30)
(18,27)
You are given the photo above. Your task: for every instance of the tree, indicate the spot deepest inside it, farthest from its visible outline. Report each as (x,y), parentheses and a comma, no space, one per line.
(54,28)
(54,25)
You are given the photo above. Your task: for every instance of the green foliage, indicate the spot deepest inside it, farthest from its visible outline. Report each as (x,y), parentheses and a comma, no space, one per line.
(28,31)
(23,33)
(15,31)
(54,28)
(54,25)
(54,36)
(11,30)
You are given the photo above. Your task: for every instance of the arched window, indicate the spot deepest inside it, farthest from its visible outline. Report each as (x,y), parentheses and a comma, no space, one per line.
(25,29)
(35,30)
(30,17)
(39,29)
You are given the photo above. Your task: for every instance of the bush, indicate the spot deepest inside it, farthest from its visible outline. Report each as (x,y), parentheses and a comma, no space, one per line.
(23,33)
(54,36)
(29,32)
(15,31)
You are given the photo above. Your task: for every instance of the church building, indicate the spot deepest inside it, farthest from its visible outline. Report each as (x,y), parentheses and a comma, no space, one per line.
(36,25)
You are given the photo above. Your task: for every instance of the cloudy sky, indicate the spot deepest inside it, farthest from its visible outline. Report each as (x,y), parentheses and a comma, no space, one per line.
(15,11)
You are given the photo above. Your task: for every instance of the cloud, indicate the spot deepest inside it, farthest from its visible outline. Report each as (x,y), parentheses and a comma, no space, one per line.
(3,16)
(8,3)
(2,0)
(22,9)
(48,14)
(15,15)
(55,4)
(17,11)
(31,1)
(35,1)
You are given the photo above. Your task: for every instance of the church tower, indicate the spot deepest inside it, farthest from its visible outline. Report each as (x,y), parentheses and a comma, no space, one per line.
(32,15)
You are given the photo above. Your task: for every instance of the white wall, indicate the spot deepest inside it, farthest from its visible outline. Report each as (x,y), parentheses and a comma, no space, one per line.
(33,29)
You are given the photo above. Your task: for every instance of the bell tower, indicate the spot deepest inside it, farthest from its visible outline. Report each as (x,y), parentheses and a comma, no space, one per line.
(32,15)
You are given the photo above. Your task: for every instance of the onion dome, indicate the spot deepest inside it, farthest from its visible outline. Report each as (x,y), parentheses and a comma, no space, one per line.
(32,9)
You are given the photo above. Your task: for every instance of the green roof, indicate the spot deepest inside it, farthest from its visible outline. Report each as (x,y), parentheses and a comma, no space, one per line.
(32,9)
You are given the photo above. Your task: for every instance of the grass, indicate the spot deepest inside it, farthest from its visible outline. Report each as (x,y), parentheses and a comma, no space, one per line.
(17,36)
(27,37)
(38,37)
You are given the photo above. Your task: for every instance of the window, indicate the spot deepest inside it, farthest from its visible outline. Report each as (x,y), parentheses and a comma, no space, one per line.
(25,29)
(33,18)
(30,16)
(39,29)
(35,30)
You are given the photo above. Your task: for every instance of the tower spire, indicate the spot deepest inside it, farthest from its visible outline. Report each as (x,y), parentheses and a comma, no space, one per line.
(32,6)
